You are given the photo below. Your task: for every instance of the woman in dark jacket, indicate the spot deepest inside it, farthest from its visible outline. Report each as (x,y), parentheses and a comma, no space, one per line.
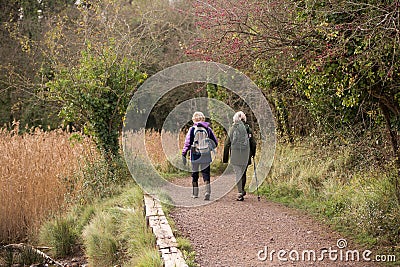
(241,146)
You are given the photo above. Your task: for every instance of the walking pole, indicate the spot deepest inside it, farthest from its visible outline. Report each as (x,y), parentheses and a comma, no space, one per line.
(255,175)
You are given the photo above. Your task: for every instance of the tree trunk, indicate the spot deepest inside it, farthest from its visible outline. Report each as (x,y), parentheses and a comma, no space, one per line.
(395,146)
(283,119)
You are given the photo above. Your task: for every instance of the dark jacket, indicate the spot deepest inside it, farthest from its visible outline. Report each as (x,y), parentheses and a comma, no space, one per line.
(190,138)
(240,157)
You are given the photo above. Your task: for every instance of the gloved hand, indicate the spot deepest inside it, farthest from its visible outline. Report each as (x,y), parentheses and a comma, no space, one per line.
(184,160)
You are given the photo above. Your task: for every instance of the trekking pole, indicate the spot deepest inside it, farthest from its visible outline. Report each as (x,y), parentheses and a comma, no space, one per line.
(255,175)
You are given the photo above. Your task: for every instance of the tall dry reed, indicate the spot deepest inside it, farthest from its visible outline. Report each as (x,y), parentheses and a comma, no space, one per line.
(159,145)
(35,171)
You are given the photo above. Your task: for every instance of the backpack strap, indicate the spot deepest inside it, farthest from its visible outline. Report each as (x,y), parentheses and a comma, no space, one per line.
(192,129)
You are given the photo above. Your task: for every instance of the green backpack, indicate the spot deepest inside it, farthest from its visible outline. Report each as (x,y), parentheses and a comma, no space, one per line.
(239,137)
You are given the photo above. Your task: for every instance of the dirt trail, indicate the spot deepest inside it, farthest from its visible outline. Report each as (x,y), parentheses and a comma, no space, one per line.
(231,233)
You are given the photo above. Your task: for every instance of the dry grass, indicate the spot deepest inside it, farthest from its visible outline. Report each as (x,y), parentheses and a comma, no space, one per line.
(36,171)
(156,145)
(159,145)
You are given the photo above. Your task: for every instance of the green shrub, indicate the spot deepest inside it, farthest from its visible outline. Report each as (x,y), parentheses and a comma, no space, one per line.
(98,182)
(61,235)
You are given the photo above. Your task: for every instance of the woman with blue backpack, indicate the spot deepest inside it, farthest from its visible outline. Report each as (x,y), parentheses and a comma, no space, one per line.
(200,141)
(241,146)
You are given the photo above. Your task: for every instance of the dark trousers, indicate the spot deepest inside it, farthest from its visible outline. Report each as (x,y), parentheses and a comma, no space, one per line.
(205,171)
(240,172)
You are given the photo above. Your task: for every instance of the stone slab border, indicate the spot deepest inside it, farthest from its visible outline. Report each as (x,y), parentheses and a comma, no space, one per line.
(165,239)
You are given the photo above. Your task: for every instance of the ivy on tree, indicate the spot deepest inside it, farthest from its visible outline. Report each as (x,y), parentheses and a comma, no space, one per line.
(96,93)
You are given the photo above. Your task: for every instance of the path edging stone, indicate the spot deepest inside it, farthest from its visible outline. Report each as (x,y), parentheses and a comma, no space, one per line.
(165,239)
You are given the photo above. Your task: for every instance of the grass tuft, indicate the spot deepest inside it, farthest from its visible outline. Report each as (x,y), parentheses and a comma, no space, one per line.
(61,235)
(101,245)
(186,248)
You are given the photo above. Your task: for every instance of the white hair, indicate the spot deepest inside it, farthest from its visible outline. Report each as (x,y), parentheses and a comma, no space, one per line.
(239,116)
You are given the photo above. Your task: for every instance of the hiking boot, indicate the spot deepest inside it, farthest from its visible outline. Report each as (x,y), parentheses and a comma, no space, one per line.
(208,191)
(195,190)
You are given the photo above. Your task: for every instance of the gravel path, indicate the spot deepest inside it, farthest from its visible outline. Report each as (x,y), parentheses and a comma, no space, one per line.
(232,233)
